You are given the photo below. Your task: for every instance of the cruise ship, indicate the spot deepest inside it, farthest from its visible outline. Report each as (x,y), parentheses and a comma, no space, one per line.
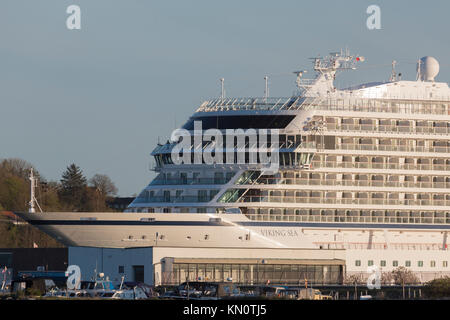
(365,169)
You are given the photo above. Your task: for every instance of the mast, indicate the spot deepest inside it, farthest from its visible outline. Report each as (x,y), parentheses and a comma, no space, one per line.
(32,197)
(266,90)
(33,200)
(222,95)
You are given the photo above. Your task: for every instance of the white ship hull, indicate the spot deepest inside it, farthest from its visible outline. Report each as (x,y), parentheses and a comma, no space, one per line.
(387,242)
(126,230)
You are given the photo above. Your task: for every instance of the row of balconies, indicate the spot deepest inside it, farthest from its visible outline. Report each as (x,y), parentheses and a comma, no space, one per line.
(331,219)
(395,148)
(346,201)
(378,165)
(356,183)
(388,128)
(373,105)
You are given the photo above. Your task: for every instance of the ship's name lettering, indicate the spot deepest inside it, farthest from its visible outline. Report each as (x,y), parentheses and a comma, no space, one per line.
(279,233)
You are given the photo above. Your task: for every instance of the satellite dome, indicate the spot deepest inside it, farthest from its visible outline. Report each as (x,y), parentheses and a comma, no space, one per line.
(429,68)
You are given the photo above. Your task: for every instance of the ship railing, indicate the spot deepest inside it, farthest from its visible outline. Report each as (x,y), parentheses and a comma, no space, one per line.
(345,201)
(190,181)
(392,104)
(401,148)
(371,165)
(388,129)
(354,183)
(173,199)
(349,219)
(380,245)
(230,104)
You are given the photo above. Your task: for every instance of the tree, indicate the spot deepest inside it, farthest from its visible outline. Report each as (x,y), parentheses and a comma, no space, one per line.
(14,196)
(73,187)
(14,184)
(403,276)
(103,184)
(438,288)
(18,167)
(354,279)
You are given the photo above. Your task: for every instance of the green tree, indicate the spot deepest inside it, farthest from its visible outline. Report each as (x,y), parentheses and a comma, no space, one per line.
(14,196)
(73,187)
(14,184)
(14,193)
(438,288)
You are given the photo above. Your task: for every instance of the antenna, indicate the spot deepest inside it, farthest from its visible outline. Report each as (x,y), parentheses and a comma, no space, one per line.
(222,96)
(266,90)
(393,73)
(418,76)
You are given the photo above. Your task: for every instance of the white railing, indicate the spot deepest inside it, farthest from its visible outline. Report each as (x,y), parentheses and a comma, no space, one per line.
(348,219)
(353,201)
(439,105)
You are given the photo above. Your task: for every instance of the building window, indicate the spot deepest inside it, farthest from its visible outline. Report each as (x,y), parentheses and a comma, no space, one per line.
(121,269)
(370,263)
(445,264)
(383,263)
(420,263)
(407,263)
(229,175)
(358,263)
(432,263)
(395,263)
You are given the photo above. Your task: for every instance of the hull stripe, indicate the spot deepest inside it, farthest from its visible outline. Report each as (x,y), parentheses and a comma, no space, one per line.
(223,224)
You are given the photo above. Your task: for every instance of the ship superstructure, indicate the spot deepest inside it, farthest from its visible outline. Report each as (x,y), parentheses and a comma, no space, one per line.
(365,169)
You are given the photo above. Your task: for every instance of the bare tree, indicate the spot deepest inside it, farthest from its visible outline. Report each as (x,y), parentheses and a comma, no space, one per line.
(387,278)
(403,276)
(17,167)
(103,184)
(354,279)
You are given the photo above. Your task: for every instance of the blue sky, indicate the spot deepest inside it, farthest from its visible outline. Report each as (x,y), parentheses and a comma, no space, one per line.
(101,96)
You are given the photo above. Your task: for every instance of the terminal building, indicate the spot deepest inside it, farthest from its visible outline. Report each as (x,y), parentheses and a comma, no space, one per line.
(174,265)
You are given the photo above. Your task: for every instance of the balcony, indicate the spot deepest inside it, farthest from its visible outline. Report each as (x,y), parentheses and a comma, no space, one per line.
(387,129)
(344,201)
(396,148)
(371,165)
(190,181)
(348,219)
(353,183)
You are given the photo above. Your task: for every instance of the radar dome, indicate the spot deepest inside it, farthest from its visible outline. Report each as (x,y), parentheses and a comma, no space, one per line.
(428,68)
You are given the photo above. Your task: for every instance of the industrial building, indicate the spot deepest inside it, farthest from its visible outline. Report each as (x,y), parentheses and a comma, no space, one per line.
(174,265)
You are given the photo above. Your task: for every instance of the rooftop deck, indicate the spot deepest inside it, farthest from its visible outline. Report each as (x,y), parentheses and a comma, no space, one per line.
(408,105)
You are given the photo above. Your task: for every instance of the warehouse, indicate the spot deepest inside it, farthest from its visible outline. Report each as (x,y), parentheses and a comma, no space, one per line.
(174,265)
